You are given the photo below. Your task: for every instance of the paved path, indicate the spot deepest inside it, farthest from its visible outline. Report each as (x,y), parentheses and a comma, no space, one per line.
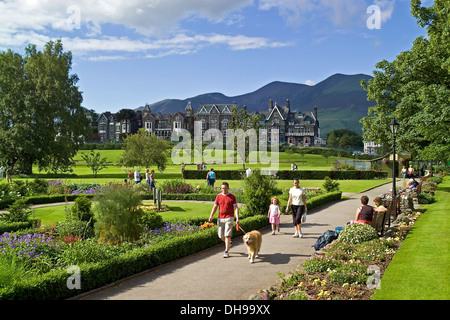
(208,276)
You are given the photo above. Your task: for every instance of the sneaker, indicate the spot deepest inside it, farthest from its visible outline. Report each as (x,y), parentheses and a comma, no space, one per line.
(295,235)
(304,217)
(300,235)
(225,254)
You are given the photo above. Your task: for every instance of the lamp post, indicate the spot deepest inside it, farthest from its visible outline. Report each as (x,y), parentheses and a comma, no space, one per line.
(394,125)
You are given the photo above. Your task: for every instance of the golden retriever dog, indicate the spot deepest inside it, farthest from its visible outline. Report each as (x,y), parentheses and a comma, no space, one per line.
(253,242)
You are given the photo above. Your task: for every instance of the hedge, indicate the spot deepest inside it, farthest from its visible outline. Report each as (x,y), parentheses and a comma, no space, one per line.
(43,199)
(15,226)
(290,174)
(314,202)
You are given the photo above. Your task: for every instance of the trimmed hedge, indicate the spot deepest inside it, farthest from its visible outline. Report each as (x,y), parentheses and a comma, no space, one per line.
(290,174)
(43,199)
(53,285)
(15,226)
(314,202)
(185,196)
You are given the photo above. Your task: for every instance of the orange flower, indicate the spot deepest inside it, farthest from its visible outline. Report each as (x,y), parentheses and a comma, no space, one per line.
(206,225)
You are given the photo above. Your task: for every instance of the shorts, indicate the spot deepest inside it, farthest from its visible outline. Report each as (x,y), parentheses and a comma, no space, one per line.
(225,227)
(297,212)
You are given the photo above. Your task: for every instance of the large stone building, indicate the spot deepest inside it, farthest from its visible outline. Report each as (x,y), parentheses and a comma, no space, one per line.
(295,128)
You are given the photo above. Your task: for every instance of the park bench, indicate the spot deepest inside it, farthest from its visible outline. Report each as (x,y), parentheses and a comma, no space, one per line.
(380,219)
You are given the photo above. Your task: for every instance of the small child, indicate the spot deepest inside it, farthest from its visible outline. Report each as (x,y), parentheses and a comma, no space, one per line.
(274,214)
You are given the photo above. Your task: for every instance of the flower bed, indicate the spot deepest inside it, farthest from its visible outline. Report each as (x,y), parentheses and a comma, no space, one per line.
(349,268)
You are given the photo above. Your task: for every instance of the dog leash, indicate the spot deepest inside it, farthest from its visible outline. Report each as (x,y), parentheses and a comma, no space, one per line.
(238,227)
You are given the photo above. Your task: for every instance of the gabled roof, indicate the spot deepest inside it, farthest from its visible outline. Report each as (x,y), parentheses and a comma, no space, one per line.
(182,115)
(220,108)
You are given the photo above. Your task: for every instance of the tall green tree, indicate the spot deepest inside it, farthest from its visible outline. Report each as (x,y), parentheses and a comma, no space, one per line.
(241,120)
(145,150)
(42,121)
(415,89)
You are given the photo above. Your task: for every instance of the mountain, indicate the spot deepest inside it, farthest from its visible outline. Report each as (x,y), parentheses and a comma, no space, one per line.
(341,101)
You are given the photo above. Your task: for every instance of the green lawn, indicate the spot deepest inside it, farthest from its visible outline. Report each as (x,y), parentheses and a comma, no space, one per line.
(420,268)
(182,210)
(304,162)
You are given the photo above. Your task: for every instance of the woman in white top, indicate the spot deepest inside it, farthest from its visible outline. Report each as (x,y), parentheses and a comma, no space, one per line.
(297,196)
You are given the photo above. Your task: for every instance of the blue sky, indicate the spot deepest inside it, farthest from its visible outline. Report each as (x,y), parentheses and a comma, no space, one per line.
(129,53)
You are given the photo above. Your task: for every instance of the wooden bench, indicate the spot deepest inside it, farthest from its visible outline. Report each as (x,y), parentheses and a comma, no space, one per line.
(380,219)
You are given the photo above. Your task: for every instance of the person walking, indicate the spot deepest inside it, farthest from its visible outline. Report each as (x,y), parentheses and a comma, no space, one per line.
(211,178)
(274,214)
(9,175)
(147,178)
(297,196)
(152,180)
(227,204)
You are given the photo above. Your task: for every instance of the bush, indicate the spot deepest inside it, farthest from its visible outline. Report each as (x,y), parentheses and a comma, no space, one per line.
(151,220)
(118,214)
(330,185)
(357,233)
(425,198)
(17,212)
(176,186)
(81,210)
(74,228)
(258,191)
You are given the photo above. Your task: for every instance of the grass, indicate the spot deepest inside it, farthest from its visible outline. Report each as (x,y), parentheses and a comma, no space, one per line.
(419,270)
(182,210)
(304,162)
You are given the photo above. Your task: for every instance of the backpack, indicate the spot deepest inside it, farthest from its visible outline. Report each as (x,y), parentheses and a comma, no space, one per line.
(326,238)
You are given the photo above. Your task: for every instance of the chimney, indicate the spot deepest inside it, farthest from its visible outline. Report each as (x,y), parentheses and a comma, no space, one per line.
(270,104)
(315,112)
(288,105)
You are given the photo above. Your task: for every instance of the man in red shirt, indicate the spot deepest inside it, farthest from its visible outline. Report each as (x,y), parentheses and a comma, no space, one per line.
(227,204)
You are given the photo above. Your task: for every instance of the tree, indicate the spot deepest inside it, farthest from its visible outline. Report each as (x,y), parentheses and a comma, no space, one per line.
(130,118)
(94,162)
(145,150)
(241,120)
(41,119)
(344,139)
(258,191)
(415,89)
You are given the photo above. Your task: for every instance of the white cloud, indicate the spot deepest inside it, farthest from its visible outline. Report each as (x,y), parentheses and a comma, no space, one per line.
(83,27)
(342,13)
(310,82)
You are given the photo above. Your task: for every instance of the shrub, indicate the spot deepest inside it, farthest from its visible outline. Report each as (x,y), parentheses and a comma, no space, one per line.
(17,212)
(330,185)
(151,220)
(176,186)
(118,214)
(37,186)
(425,198)
(81,210)
(357,233)
(258,190)
(74,228)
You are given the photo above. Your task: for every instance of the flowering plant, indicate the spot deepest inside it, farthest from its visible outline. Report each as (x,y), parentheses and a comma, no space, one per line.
(357,233)
(206,225)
